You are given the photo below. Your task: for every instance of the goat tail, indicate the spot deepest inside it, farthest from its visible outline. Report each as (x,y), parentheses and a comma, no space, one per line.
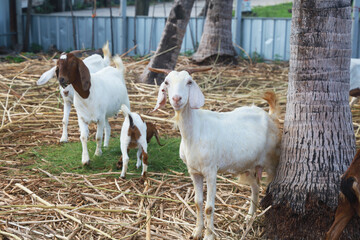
(157,138)
(272,99)
(119,64)
(126,112)
(106,52)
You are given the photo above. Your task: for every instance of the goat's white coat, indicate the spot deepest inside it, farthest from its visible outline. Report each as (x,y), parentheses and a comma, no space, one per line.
(107,93)
(354,78)
(236,142)
(125,140)
(94,63)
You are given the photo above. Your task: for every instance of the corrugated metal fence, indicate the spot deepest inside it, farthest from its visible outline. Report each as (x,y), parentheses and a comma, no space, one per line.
(267,37)
(5,37)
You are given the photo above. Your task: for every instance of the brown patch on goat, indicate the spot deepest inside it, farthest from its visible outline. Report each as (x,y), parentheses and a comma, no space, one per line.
(208,210)
(152,131)
(119,164)
(134,134)
(349,199)
(72,70)
(144,157)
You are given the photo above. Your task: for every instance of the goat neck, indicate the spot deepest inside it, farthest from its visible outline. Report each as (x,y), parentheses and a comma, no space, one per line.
(185,120)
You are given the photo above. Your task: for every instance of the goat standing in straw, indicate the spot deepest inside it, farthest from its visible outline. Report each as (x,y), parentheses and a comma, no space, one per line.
(98,96)
(244,142)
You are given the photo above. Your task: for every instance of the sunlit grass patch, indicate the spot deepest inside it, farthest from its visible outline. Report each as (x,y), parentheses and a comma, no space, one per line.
(57,159)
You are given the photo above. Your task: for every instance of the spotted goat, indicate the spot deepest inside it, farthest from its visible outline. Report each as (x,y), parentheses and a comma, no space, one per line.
(135,133)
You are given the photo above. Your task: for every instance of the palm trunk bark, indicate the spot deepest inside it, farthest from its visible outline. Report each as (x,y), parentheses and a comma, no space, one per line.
(216,39)
(170,42)
(318,141)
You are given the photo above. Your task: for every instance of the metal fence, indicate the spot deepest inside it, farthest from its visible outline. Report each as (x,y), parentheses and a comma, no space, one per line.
(266,37)
(5,35)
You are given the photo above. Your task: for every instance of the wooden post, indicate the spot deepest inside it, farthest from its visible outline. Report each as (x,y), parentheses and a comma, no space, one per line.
(19,24)
(238,24)
(123,25)
(355,30)
(73,25)
(112,32)
(28,22)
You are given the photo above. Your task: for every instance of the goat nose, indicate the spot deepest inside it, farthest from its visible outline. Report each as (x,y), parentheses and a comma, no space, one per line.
(176,98)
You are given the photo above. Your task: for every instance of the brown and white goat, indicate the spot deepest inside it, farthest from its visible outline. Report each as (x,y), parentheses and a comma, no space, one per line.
(349,199)
(97,97)
(135,133)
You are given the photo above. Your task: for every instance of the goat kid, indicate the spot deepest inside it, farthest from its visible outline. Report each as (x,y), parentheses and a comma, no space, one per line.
(242,142)
(349,199)
(97,96)
(94,63)
(135,133)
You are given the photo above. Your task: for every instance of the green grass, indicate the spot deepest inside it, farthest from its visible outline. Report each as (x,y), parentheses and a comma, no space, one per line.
(278,11)
(60,158)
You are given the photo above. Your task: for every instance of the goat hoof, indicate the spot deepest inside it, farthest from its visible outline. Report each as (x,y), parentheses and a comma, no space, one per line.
(63,140)
(197,235)
(247,218)
(98,153)
(122,177)
(86,163)
(209,237)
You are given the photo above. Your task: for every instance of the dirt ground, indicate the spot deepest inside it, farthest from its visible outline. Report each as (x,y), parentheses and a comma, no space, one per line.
(34,204)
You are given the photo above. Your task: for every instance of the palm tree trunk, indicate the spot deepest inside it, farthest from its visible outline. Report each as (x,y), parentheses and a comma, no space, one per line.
(216,39)
(318,141)
(169,47)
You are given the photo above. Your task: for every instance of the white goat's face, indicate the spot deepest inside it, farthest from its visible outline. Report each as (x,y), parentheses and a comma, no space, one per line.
(178,85)
(182,90)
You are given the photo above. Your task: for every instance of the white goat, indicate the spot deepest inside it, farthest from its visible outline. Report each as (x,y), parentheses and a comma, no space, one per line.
(354,81)
(244,141)
(94,63)
(97,97)
(135,133)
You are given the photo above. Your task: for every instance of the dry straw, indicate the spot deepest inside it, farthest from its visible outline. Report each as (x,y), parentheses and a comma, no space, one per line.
(35,204)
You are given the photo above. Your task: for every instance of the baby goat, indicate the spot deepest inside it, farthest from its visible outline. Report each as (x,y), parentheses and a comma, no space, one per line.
(349,199)
(97,96)
(242,142)
(94,63)
(135,133)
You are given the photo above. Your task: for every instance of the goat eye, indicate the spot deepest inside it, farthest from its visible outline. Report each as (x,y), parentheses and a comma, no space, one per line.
(189,82)
(166,83)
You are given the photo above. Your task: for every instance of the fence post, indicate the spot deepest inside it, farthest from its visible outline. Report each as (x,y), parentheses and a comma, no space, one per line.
(19,24)
(123,25)
(355,29)
(238,24)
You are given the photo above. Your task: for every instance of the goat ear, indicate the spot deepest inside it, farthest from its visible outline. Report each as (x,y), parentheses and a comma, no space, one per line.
(84,75)
(196,97)
(46,76)
(161,100)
